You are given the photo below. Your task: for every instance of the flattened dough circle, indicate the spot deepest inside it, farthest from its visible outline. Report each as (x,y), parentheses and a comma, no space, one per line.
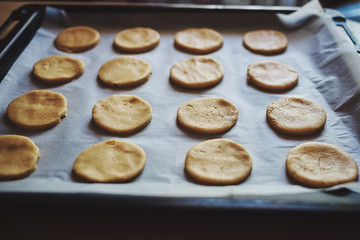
(37,110)
(296,116)
(124,72)
(219,162)
(207,115)
(58,69)
(77,39)
(137,39)
(265,41)
(272,75)
(317,164)
(18,156)
(110,161)
(198,40)
(197,72)
(122,114)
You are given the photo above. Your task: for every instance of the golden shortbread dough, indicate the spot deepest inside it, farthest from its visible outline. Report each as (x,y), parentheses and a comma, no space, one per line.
(296,116)
(219,162)
(77,39)
(122,114)
(208,115)
(58,69)
(272,75)
(37,110)
(110,161)
(317,164)
(198,40)
(18,156)
(265,41)
(197,72)
(137,39)
(124,72)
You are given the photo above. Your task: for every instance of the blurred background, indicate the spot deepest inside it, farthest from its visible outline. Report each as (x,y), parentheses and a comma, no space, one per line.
(350,8)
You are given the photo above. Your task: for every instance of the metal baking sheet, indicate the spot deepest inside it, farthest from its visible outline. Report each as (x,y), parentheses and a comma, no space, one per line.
(325,60)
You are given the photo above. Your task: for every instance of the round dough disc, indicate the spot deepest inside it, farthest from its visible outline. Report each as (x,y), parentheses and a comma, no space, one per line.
(37,110)
(207,115)
(58,69)
(77,39)
(272,75)
(296,116)
(110,161)
(125,72)
(137,39)
(218,161)
(198,40)
(316,164)
(197,72)
(122,114)
(265,41)
(18,156)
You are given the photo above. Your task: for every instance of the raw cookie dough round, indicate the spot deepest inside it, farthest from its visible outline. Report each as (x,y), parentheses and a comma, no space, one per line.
(317,164)
(137,39)
(265,41)
(219,162)
(197,72)
(122,114)
(124,72)
(110,161)
(77,39)
(58,69)
(272,75)
(18,156)
(198,40)
(37,110)
(207,115)
(296,116)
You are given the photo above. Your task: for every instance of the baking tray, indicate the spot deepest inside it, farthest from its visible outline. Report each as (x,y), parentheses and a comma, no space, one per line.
(29,19)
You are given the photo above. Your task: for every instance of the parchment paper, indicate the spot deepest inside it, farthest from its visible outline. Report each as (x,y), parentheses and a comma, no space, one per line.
(329,75)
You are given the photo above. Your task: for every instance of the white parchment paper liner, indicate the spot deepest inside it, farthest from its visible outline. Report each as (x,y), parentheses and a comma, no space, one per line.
(329,75)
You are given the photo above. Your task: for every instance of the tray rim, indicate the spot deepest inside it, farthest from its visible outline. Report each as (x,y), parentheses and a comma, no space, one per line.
(243,204)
